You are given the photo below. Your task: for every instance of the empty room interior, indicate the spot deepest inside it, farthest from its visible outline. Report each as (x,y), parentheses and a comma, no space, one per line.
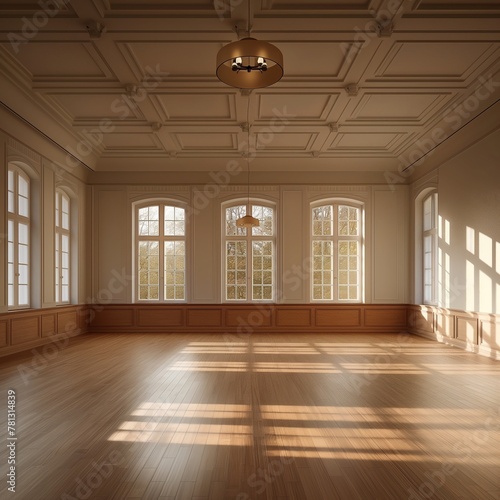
(250,249)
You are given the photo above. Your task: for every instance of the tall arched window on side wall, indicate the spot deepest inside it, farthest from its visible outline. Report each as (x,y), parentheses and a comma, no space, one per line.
(160,252)
(62,248)
(249,254)
(18,237)
(429,247)
(337,251)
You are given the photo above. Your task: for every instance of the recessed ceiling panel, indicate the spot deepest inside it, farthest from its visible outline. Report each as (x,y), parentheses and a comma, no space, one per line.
(59,60)
(97,106)
(206,141)
(310,59)
(432,59)
(130,141)
(294,106)
(283,141)
(161,4)
(399,107)
(457,5)
(316,5)
(360,141)
(54,8)
(197,106)
(173,58)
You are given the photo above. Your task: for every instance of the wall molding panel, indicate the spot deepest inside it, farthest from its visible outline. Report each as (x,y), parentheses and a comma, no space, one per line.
(471,331)
(30,328)
(243,318)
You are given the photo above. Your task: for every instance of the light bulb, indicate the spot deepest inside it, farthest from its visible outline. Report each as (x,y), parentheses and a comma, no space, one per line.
(239,60)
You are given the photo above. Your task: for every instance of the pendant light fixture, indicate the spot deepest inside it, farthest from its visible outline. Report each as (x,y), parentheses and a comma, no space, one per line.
(249,63)
(248,220)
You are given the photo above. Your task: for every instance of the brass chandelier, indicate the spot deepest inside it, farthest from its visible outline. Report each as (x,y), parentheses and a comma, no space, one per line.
(249,63)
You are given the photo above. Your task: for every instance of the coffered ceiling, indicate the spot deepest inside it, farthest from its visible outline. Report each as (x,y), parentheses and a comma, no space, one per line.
(369,85)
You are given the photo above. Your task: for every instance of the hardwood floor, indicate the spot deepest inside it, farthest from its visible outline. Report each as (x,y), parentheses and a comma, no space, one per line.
(209,417)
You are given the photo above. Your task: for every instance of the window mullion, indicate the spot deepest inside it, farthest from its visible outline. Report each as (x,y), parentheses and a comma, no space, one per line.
(15,239)
(161,252)
(335,257)
(249,269)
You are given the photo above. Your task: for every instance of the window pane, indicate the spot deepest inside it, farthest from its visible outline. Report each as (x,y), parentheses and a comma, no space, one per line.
(322,269)
(429,212)
(23,186)
(23,295)
(23,233)
(23,206)
(148,222)
(65,260)
(22,254)
(349,272)
(174,270)
(322,218)
(429,263)
(262,277)
(65,221)
(65,243)
(11,202)
(11,295)
(58,222)
(348,221)
(62,211)
(236,253)
(149,264)
(23,274)
(65,204)
(10,274)
(174,221)
(266,217)
(232,215)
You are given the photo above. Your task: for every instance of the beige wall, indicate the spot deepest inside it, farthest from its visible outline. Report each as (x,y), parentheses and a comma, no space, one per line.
(45,164)
(386,257)
(468,187)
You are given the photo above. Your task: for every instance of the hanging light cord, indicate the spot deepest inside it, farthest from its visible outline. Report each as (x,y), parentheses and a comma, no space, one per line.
(248,154)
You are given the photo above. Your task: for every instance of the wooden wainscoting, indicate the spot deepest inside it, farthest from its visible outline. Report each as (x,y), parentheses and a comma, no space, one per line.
(237,318)
(475,332)
(29,328)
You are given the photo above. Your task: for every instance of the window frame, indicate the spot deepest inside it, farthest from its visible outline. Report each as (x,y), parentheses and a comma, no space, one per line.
(432,234)
(60,232)
(17,219)
(162,239)
(249,238)
(334,239)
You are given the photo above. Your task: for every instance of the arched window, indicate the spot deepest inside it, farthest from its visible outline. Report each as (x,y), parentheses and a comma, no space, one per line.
(160,233)
(18,232)
(249,255)
(429,247)
(337,252)
(62,248)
